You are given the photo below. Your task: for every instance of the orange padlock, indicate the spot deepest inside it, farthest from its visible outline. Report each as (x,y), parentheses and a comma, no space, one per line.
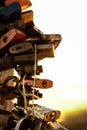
(24,3)
(39,83)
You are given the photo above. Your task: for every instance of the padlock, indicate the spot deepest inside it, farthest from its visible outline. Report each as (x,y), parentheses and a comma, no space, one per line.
(27,16)
(52,39)
(46,38)
(39,83)
(21,48)
(10,38)
(44,83)
(24,3)
(10,13)
(46,114)
(45,51)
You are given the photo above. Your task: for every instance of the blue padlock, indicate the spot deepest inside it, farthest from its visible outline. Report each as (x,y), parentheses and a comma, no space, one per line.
(10,13)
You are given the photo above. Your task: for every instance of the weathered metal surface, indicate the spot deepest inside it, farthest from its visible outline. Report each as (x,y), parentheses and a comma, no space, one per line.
(45,114)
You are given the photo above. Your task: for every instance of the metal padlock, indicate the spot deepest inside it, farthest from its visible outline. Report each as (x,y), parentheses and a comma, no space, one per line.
(21,48)
(53,39)
(46,114)
(39,83)
(10,13)
(45,50)
(24,3)
(27,16)
(46,38)
(10,38)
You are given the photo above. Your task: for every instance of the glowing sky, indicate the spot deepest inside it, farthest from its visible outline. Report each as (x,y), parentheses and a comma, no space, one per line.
(68,69)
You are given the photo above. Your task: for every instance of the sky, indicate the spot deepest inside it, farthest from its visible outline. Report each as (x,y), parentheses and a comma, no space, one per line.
(68,68)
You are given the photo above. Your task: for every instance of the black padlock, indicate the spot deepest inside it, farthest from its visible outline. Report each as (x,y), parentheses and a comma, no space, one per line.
(10,13)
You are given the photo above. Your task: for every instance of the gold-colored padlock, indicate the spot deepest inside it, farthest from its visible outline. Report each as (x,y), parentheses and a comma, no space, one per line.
(27,16)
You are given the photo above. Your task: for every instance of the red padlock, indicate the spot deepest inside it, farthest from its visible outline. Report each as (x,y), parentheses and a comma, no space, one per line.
(10,38)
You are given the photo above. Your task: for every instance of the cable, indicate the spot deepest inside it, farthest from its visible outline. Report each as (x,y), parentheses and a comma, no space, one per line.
(34,78)
(24,94)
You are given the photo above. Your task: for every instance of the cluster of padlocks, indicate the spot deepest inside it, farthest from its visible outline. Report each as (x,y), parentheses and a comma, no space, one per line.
(22,45)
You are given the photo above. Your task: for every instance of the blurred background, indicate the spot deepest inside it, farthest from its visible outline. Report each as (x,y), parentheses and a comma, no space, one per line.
(68,69)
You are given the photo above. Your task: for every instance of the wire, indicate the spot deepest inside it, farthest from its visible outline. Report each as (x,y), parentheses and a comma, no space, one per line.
(34,78)
(24,94)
